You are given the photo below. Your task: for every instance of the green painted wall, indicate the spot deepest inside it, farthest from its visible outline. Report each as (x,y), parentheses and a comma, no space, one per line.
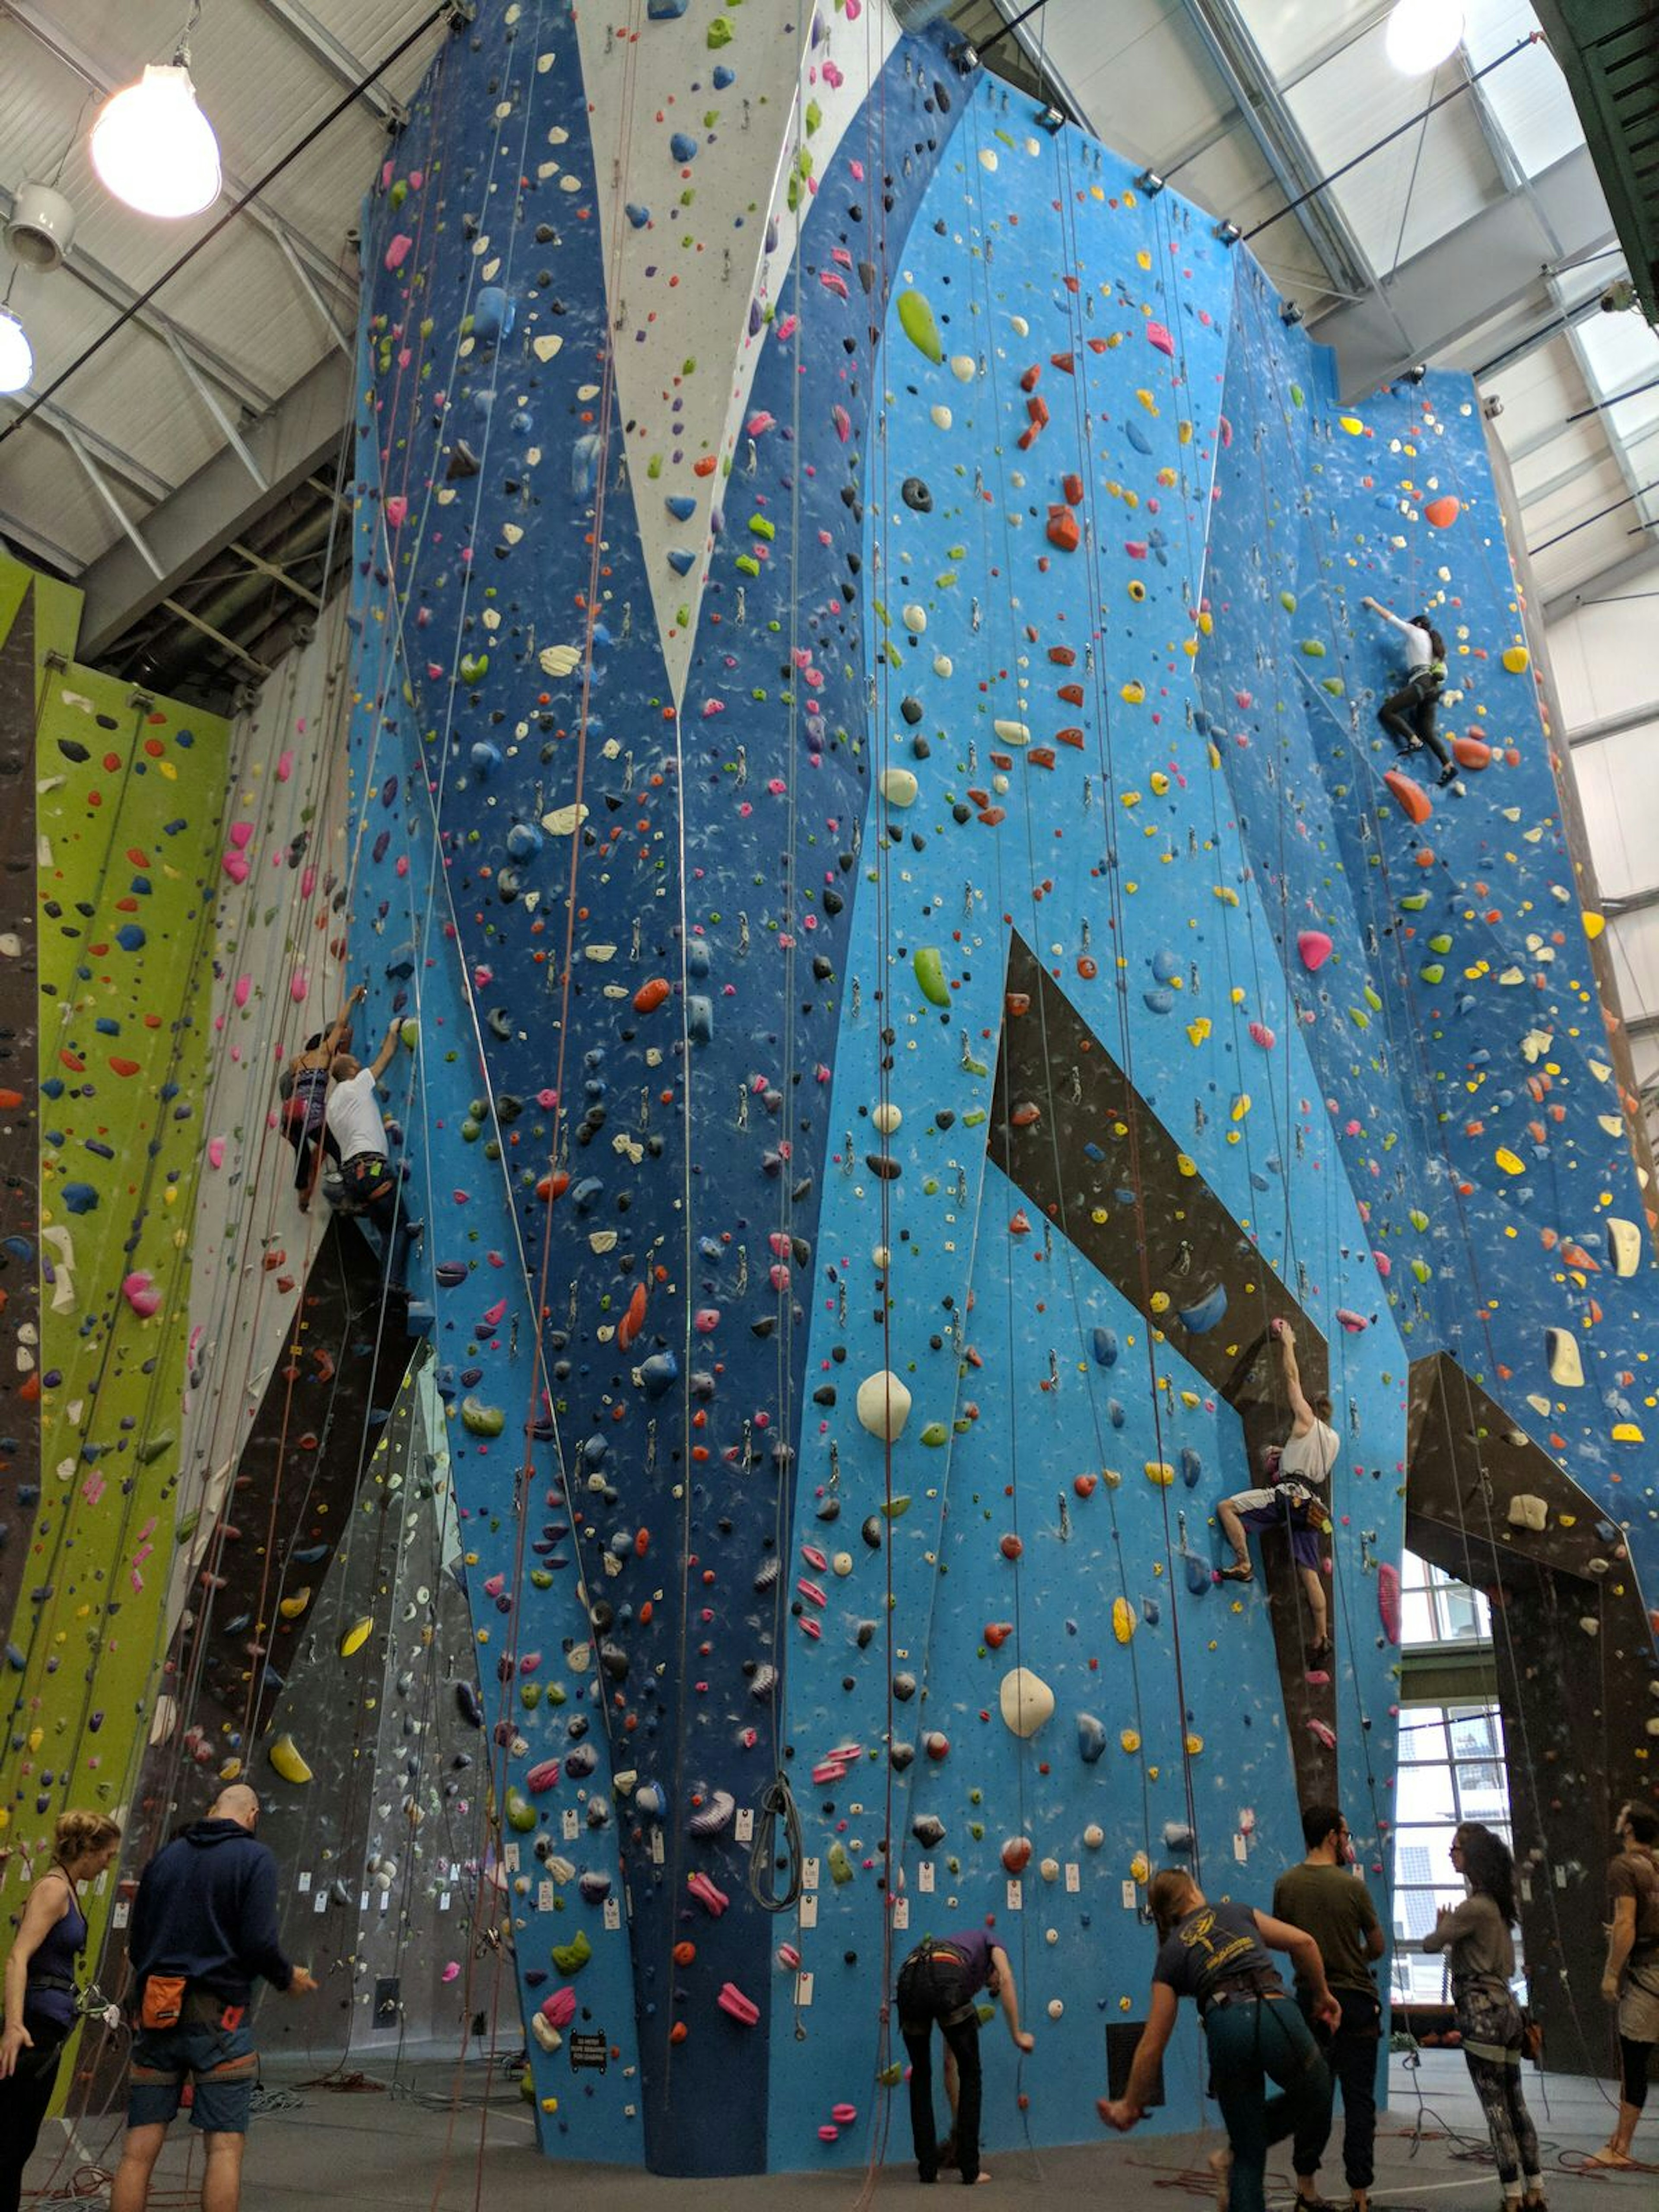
(129,799)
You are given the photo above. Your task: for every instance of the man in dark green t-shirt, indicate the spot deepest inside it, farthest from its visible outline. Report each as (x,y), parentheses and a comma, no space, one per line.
(1325,1898)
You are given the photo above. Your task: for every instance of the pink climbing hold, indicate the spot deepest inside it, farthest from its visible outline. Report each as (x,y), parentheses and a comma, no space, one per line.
(1388,1599)
(788,1957)
(1159,336)
(714,1901)
(399,251)
(284,767)
(451,1972)
(141,1294)
(733,2001)
(1261,1035)
(1323,1733)
(1313,947)
(397,511)
(543,1775)
(1351,1322)
(235,867)
(299,988)
(243,990)
(240,834)
(560,2010)
(215,1152)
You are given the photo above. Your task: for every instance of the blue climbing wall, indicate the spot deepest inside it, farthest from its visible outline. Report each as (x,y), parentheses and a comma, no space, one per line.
(843,578)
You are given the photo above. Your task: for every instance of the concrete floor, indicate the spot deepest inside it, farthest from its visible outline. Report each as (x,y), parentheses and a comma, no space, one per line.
(368,2151)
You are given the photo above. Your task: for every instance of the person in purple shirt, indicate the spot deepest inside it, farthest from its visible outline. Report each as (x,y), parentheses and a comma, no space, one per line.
(40,1988)
(939,1982)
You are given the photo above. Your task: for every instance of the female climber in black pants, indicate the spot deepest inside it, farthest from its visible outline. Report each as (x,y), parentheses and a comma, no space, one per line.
(1407,714)
(938,1982)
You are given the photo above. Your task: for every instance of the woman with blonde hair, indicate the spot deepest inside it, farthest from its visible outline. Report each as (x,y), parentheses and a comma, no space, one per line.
(40,1988)
(1254,2031)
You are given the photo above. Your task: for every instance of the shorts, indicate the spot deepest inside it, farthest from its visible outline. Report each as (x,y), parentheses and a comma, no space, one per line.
(1274,1508)
(221,2062)
(1638,2002)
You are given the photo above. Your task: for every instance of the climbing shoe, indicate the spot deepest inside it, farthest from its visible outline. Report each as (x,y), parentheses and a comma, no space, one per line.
(1320,1654)
(1239,1572)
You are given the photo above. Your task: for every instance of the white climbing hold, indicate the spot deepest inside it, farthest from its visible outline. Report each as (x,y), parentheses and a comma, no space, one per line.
(880,1257)
(898,787)
(963,367)
(1094,1836)
(942,417)
(1012,733)
(565,821)
(1561,1352)
(1026,1700)
(944,666)
(1623,1247)
(887,1117)
(1056,2007)
(1527,1511)
(883,1406)
(560,659)
(914,618)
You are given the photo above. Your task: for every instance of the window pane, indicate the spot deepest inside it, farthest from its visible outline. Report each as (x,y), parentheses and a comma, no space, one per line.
(1426,1793)
(1417,1624)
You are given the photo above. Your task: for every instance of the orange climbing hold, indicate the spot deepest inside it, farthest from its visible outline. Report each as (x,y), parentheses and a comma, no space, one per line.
(634,1320)
(1411,798)
(1062,529)
(1471,751)
(651,995)
(552,1186)
(1443,512)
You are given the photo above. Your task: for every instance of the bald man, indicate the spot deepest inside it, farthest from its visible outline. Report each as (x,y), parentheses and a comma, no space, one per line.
(204,1930)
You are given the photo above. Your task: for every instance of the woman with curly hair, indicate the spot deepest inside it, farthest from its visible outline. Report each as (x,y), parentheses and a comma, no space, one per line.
(40,1988)
(1477,1935)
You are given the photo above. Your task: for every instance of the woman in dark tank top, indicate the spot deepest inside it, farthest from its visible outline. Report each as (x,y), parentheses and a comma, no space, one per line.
(39,1988)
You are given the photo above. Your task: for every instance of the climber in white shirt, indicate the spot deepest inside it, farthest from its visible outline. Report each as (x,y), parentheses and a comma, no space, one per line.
(1299,1472)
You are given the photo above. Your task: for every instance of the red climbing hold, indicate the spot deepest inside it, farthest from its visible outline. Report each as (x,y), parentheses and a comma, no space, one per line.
(1018,1223)
(1072,488)
(1012,1548)
(997,1633)
(651,995)
(1411,798)
(1062,529)
(1084,1484)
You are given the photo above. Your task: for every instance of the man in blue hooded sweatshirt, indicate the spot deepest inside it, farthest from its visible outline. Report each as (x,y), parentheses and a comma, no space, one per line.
(203,1929)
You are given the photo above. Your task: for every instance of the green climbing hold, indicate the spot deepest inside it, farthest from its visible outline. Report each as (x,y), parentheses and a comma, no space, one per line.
(894,1509)
(935,1433)
(570,1958)
(916,321)
(154,1448)
(474,668)
(480,1420)
(929,965)
(1287,600)
(520,1813)
(1314,647)
(840,1867)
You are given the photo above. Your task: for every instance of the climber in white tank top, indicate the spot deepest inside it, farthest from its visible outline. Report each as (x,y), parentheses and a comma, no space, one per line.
(1299,1471)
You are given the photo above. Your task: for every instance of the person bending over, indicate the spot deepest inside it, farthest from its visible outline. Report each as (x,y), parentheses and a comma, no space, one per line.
(374,1186)
(1630,1979)
(1298,1469)
(1407,714)
(939,1982)
(1252,2033)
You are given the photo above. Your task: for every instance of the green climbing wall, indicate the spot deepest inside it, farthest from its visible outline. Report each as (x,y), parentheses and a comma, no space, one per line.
(126,796)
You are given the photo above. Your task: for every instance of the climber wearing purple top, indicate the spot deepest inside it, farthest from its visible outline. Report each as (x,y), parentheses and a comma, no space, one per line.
(938,1982)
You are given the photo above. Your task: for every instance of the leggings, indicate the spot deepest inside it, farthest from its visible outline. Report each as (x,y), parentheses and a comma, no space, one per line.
(1249,2045)
(24,2097)
(1491,2018)
(1407,715)
(1634,2065)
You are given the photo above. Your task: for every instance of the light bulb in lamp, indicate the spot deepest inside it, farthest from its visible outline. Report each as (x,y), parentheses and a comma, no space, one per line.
(1421,34)
(16,354)
(153,147)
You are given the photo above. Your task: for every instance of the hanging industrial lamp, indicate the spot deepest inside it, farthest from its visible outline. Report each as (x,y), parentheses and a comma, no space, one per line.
(1421,34)
(152,146)
(16,354)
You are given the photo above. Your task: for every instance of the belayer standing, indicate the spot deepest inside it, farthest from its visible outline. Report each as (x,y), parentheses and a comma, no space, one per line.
(940,1982)
(1407,714)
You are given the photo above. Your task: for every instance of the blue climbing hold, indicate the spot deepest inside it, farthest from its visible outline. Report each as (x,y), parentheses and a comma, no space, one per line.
(1091,1738)
(1205,1313)
(1105,1343)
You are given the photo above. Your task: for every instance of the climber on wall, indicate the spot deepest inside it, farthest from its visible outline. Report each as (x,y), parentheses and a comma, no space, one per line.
(304,1090)
(1253,2033)
(1407,714)
(373,1188)
(1297,1469)
(938,1982)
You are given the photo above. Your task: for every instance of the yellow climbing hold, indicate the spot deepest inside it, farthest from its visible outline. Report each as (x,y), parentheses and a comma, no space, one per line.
(291,1607)
(284,1756)
(1140,1868)
(1160,1472)
(1198,1030)
(1594,924)
(1353,425)
(1135,693)
(356,1636)
(1624,1432)
(1507,1160)
(1516,660)
(1130,1738)
(1123,1619)
(1194,1745)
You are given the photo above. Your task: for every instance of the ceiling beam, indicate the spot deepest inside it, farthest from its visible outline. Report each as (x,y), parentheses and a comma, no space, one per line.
(317,40)
(1614,725)
(56,41)
(1467,276)
(47,415)
(1237,60)
(1605,583)
(220,502)
(116,293)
